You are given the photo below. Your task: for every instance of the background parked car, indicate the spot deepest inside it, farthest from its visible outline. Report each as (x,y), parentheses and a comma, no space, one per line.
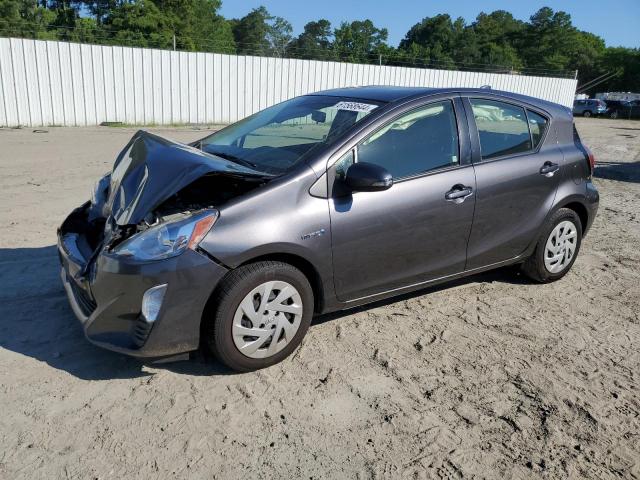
(619,109)
(589,107)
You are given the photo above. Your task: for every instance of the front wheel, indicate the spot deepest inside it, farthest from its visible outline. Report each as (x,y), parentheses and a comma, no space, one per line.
(262,312)
(614,114)
(557,247)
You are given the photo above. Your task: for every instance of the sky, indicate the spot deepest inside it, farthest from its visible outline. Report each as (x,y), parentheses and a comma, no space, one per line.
(616,21)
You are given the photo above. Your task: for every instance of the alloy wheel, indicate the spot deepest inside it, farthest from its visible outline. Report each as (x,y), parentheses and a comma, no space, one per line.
(267,319)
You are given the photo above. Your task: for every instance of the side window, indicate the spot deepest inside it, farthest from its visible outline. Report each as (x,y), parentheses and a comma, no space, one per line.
(502,128)
(417,142)
(537,125)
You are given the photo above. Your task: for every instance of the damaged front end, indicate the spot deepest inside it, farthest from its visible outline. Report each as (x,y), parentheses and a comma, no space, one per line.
(123,252)
(154,178)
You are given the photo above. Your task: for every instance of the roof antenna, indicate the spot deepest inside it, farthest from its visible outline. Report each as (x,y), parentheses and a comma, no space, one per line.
(488,87)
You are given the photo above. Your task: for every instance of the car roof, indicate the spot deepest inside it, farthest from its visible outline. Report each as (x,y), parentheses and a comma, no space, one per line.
(392,94)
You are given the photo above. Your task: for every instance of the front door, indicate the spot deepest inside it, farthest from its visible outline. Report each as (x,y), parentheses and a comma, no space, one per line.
(418,229)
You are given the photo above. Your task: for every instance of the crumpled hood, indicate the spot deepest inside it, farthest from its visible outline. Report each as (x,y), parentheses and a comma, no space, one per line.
(150,169)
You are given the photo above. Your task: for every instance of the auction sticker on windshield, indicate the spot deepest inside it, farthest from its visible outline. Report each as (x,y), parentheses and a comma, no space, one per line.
(355,106)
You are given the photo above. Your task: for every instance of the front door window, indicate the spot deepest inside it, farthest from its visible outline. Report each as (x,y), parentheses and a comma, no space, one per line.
(417,142)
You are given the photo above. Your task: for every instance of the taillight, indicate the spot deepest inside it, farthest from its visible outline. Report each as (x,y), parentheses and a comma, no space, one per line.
(590,158)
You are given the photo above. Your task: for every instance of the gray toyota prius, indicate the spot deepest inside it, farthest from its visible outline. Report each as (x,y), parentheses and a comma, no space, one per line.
(321,203)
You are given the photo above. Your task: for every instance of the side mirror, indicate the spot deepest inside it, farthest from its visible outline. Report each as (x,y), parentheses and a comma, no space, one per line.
(367,177)
(318,116)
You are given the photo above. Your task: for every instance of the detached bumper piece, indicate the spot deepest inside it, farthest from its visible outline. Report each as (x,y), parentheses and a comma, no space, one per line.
(143,309)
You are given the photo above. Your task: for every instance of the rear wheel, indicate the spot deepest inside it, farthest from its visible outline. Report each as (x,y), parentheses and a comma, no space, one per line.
(557,247)
(263,310)
(586,114)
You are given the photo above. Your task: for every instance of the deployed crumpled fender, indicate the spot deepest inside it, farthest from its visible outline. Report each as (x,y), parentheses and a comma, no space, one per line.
(151,168)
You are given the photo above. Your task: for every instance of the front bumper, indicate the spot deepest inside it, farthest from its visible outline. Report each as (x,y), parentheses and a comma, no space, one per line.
(105,293)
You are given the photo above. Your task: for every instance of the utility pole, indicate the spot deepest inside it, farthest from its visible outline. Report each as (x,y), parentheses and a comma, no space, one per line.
(174,42)
(380,59)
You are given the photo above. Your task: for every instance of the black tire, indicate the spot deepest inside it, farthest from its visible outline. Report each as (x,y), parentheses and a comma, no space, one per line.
(614,114)
(586,114)
(217,324)
(534,267)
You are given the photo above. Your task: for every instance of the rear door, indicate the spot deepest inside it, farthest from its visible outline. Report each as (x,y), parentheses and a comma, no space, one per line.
(517,162)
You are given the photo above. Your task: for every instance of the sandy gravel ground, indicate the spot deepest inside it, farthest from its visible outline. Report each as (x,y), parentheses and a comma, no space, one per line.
(489,377)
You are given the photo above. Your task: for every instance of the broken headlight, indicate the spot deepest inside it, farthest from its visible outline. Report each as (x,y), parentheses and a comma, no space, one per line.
(168,239)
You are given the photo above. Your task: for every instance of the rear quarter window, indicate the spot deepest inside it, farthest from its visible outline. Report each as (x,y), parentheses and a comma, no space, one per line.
(538,126)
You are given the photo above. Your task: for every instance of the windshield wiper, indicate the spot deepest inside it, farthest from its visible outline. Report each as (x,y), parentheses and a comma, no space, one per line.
(233,158)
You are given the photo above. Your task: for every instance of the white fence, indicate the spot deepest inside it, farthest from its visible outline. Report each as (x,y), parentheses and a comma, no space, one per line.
(57,83)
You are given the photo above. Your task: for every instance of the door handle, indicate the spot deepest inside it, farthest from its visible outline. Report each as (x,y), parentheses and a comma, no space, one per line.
(549,168)
(458,193)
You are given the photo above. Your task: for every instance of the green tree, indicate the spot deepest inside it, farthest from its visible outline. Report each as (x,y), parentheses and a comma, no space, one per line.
(279,35)
(623,61)
(495,40)
(100,8)
(250,32)
(207,31)
(552,42)
(196,24)
(83,30)
(260,33)
(140,24)
(314,42)
(66,14)
(432,41)
(359,41)
(25,18)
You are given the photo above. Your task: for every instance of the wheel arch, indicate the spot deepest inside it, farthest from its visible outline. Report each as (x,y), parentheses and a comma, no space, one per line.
(577,206)
(575,203)
(298,261)
(302,264)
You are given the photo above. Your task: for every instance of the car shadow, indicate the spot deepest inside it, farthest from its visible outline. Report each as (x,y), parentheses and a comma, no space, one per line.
(37,321)
(620,171)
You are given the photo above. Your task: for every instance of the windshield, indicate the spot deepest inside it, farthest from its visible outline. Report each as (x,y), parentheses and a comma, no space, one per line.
(277,138)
